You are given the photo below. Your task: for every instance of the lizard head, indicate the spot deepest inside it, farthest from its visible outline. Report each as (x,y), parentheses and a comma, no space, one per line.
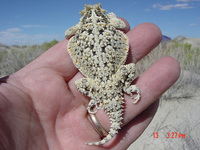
(93,11)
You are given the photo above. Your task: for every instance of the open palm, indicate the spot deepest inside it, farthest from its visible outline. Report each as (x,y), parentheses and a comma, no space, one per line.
(40,107)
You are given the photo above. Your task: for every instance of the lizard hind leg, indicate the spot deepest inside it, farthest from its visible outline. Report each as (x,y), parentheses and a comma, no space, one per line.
(93,106)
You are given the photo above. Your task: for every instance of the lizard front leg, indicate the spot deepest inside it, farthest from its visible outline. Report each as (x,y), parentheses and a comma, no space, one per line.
(84,86)
(71,31)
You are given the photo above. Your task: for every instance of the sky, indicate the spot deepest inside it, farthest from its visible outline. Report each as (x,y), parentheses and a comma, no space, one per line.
(28,22)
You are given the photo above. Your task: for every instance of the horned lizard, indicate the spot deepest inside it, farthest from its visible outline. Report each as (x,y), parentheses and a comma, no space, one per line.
(99,50)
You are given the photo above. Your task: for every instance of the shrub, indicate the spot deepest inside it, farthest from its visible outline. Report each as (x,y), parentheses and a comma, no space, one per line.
(48,45)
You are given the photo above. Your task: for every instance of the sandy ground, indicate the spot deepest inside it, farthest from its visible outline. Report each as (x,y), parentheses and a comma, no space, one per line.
(174,116)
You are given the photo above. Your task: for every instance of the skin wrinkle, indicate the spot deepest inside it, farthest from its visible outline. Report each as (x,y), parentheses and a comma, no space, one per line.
(6,140)
(4,104)
(55,122)
(48,126)
(43,127)
(28,136)
(56,133)
(72,86)
(62,96)
(38,137)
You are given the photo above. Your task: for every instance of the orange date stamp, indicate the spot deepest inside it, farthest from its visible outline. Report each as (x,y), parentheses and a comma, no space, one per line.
(170,135)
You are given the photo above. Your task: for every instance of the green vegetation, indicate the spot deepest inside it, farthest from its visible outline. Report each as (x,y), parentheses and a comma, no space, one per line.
(48,45)
(191,55)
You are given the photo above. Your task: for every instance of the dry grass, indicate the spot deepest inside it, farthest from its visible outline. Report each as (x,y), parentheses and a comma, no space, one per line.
(14,58)
(17,57)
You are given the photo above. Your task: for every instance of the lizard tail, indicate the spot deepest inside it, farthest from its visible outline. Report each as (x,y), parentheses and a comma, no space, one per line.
(115,118)
(110,135)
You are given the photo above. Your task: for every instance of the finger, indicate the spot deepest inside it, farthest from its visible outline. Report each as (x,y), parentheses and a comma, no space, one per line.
(142,39)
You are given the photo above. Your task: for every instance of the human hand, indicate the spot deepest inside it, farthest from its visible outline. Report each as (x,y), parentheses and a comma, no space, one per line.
(40,107)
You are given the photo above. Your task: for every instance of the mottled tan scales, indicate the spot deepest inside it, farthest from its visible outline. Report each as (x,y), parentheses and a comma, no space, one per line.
(99,50)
